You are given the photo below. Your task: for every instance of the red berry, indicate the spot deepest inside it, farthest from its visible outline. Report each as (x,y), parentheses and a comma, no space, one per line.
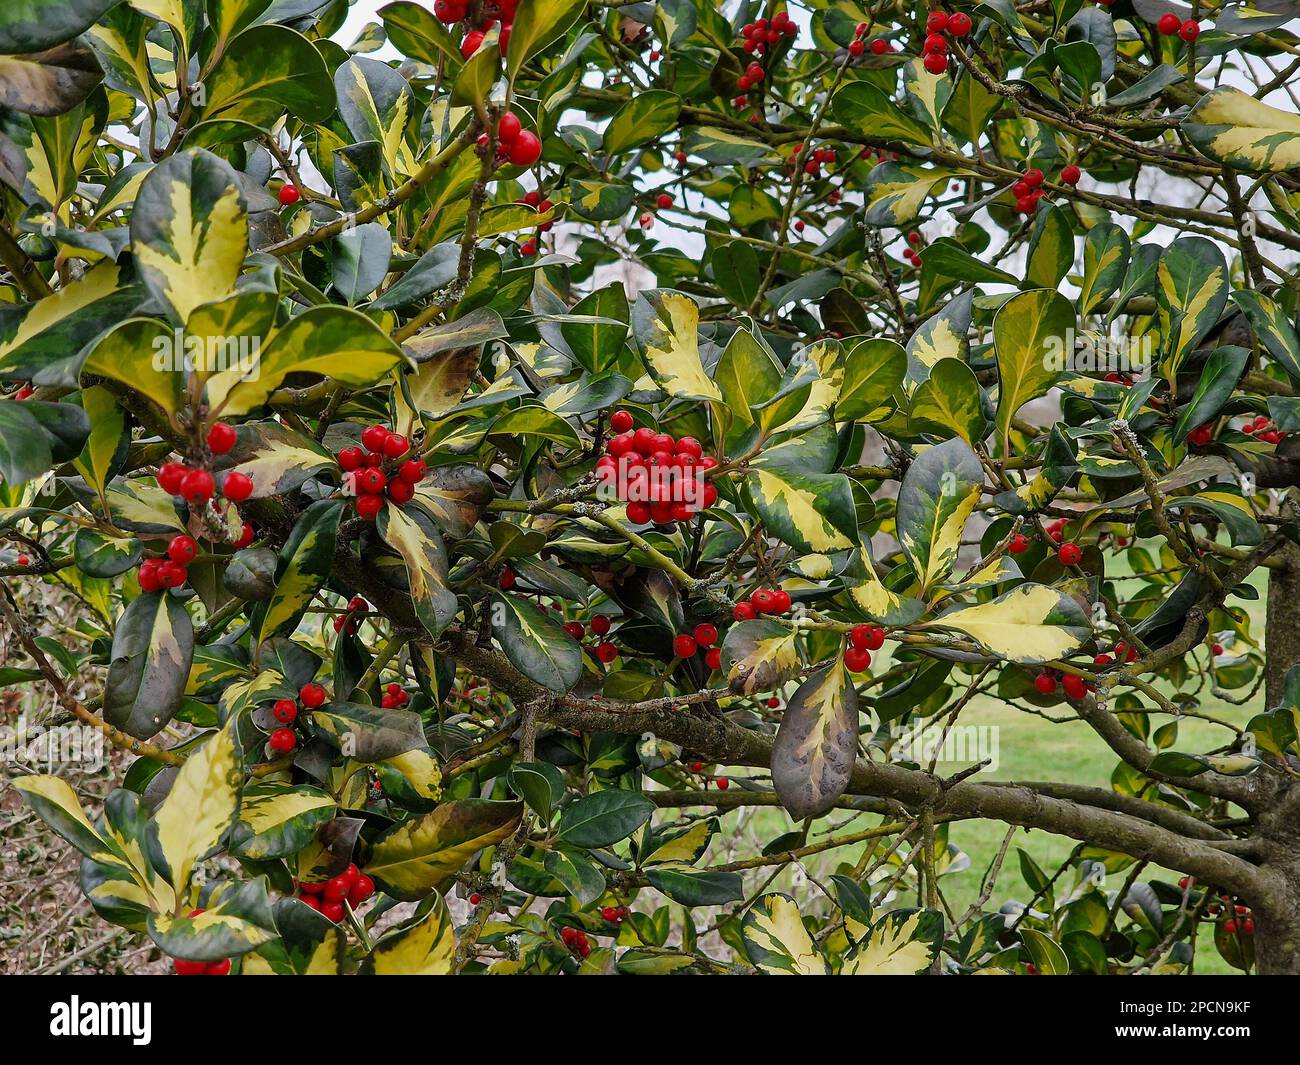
(879,46)
(476,898)
(684,646)
(1033,178)
(621,421)
(289,195)
(332,911)
(170,475)
(1018,545)
(471,42)
(507,579)
(189,968)
(526,149)
(400,491)
(936,21)
(638,513)
(936,42)
(183,549)
(285,711)
(936,63)
(1169,24)
(764,601)
(362,888)
(1216,649)
(663,201)
(857,659)
(1070,174)
(860,635)
(1074,686)
(371,481)
(706,635)
(1045,683)
(508,128)
(576,629)
(723,783)
(373,438)
(369,506)
(744,612)
(394,445)
(351,458)
(713,658)
(170,574)
(221,438)
(219,968)
(237,486)
(780,602)
(959,24)
(312,695)
(412,471)
(283,740)
(600,624)
(606,652)
(1069,554)
(24,560)
(196,486)
(856,48)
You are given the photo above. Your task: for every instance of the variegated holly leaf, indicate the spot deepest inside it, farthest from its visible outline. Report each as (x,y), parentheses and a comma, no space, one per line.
(422,945)
(902,943)
(308,944)
(1233,127)
(776,941)
(1191,292)
(938,494)
(153,644)
(235,919)
(277,820)
(666,327)
(367,733)
(1030,332)
(306,561)
(416,857)
(412,534)
(277,459)
(535,644)
(817,743)
(1029,624)
(759,656)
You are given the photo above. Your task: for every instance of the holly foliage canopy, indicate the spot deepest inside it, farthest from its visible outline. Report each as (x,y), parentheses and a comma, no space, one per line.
(985,330)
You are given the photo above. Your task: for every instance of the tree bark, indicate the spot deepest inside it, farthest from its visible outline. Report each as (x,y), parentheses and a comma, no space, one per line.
(1282,623)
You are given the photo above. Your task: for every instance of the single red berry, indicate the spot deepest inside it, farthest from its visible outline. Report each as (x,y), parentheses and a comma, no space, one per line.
(312,695)
(285,711)
(369,506)
(723,783)
(283,740)
(684,645)
(860,635)
(600,624)
(196,487)
(856,48)
(744,612)
(289,195)
(857,659)
(780,602)
(1070,174)
(508,128)
(1230,926)
(663,201)
(879,46)
(471,43)
(371,481)
(170,475)
(606,652)
(706,635)
(183,549)
(400,491)
(412,471)
(638,513)
(148,576)
(1169,24)
(713,658)
(24,560)
(332,911)
(764,601)
(351,458)
(621,421)
(170,574)
(362,888)
(936,21)
(1069,554)
(236,486)
(507,579)
(1216,649)
(959,24)
(189,968)
(526,149)
(373,438)
(1102,660)
(221,438)
(394,445)
(936,63)
(1019,544)
(1074,686)
(245,536)
(1045,683)
(576,629)
(936,42)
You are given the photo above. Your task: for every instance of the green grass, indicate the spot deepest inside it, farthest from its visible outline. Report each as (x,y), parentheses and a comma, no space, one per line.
(1031,748)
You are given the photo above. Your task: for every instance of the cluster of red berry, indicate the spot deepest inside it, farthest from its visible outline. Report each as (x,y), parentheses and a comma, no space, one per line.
(762,601)
(576,940)
(195,485)
(1028,190)
(935,49)
(1122,653)
(327,896)
(364,475)
(910,253)
(605,650)
(614,914)
(1056,529)
(356,605)
(863,639)
(536,201)
(449,12)
(659,476)
(521,146)
(394,696)
(200,968)
(170,571)
(1262,428)
(663,201)
(816,159)
(1075,686)
(687,644)
(283,740)
(760,35)
(1169,24)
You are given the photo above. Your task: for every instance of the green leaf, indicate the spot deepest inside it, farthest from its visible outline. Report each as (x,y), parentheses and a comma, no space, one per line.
(422,945)
(643,118)
(368,733)
(1051,248)
(278,820)
(817,743)
(537,24)
(360,261)
(902,943)
(602,819)
(1218,378)
(1191,292)
(665,324)
(237,919)
(539,784)
(535,645)
(949,403)
(412,534)
(696,887)
(759,655)
(49,82)
(866,108)
(1273,329)
(265,71)
(33,25)
(1105,260)
(306,561)
(153,644)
